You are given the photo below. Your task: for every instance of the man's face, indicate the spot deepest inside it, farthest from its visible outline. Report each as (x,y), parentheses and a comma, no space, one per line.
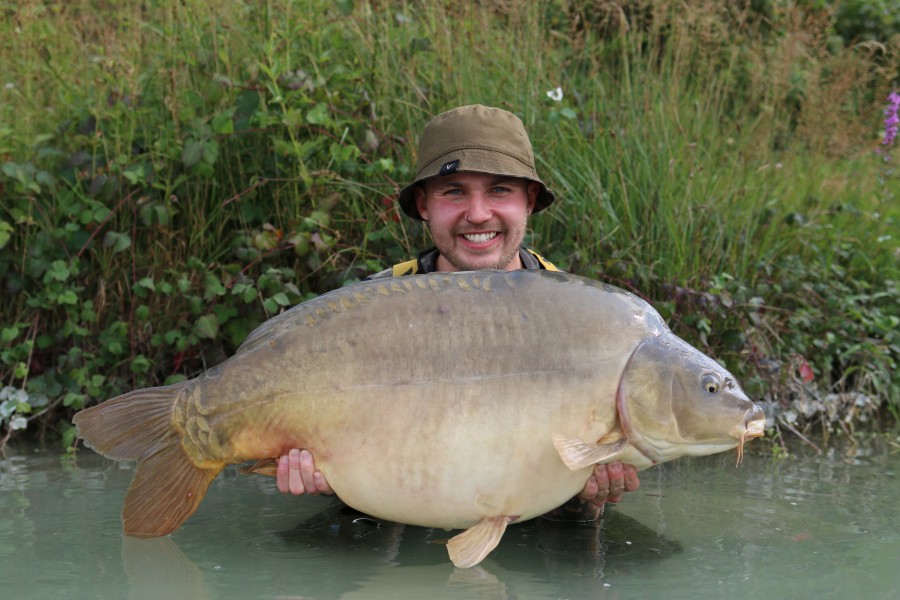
(477,221)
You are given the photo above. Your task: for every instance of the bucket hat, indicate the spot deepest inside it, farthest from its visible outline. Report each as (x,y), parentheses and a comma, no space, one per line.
(474,138)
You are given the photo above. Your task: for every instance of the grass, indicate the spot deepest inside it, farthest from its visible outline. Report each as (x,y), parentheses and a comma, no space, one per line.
(175,172)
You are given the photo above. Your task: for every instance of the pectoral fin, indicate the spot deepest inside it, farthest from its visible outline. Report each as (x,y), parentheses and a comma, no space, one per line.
(471,546)
(578,454)
(266,466)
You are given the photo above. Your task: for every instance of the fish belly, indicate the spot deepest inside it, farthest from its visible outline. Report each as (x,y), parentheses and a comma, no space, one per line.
(451,467)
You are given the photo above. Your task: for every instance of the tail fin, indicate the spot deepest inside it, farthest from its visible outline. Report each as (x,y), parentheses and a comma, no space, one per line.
(167,486)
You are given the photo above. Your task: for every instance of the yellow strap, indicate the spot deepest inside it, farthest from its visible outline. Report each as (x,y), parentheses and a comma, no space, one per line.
(410,267)
(546,263)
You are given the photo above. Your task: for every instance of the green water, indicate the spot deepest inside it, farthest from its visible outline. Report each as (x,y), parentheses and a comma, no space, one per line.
(808,526)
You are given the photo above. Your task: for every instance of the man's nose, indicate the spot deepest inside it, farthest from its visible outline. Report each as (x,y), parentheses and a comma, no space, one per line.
(479,209)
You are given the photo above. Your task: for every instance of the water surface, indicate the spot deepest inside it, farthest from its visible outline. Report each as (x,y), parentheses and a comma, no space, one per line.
(808,526)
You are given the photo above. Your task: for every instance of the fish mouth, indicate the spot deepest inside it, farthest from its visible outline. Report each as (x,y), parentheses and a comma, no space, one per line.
(753,426)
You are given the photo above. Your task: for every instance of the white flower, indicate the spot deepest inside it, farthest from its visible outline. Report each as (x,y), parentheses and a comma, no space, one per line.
(555,95)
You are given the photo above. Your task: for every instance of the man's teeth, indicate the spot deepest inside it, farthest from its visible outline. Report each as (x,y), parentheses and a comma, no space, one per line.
(479,238)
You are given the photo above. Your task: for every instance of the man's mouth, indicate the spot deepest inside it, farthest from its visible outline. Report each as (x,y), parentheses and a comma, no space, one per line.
(479,238)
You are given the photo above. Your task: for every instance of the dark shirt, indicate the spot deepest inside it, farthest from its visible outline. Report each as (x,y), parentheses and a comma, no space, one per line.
(426,262)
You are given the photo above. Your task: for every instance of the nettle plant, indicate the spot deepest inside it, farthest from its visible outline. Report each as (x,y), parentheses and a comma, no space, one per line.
(136,250)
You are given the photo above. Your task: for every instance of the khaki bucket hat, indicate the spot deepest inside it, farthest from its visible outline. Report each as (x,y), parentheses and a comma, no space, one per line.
(474,138)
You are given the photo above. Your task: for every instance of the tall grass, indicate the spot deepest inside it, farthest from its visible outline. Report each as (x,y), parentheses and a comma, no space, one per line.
(175,172)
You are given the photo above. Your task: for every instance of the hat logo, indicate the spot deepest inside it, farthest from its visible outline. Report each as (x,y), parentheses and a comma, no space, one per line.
(449,167)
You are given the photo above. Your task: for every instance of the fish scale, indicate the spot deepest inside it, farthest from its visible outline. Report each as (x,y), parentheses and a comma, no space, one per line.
(453,400)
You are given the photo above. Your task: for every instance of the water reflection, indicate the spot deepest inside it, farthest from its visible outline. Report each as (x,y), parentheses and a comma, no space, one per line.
(809,526)
(404,561)
(157,568)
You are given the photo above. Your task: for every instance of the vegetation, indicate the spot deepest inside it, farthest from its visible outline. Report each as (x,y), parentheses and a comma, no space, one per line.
(174,173)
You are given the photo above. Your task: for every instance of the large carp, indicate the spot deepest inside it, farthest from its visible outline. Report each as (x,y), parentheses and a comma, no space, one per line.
(454,400)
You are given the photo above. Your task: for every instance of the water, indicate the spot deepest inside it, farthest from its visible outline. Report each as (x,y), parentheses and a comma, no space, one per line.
(809,526)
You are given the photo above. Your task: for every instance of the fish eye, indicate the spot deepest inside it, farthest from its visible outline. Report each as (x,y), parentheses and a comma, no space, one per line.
(710,384)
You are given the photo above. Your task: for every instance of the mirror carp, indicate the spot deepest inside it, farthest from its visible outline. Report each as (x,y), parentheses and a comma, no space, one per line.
(455,400)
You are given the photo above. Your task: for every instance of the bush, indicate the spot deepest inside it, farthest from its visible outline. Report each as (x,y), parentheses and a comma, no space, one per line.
(157,206)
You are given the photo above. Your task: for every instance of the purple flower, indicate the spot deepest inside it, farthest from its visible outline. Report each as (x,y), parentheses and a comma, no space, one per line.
(891,120)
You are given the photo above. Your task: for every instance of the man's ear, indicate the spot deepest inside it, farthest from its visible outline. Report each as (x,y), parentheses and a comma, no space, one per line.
(534,188)
(421,205)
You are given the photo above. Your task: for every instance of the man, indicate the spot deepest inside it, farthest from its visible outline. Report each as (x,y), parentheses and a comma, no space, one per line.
(475,187)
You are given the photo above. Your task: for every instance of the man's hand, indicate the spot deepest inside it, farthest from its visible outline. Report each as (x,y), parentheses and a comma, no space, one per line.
(297,474)
(609,482)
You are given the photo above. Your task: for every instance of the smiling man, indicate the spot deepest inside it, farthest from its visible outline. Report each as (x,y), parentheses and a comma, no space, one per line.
(477,220)
(475,188)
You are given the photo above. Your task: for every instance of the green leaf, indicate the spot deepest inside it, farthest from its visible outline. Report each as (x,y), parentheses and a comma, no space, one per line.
(68,436)
(135,175)
(172,336)
(212,287)
(210,152)
(140,364)
(265,240)
(237,330)
(5,233)
(147,283)
(191,153)
(176,378)
(100,214)
(318,115)
(119,242)
(282,299)
(385,165)
(67,297)
(223,123)
(8,334)
(224,313)
(293,117)
(154,214)
(10,169)
(247,102)
(74,400)
(58,271)
(213,91)
(207,327)
(345,7)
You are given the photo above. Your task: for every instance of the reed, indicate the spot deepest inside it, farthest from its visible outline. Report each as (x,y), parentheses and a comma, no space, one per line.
(175,172)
